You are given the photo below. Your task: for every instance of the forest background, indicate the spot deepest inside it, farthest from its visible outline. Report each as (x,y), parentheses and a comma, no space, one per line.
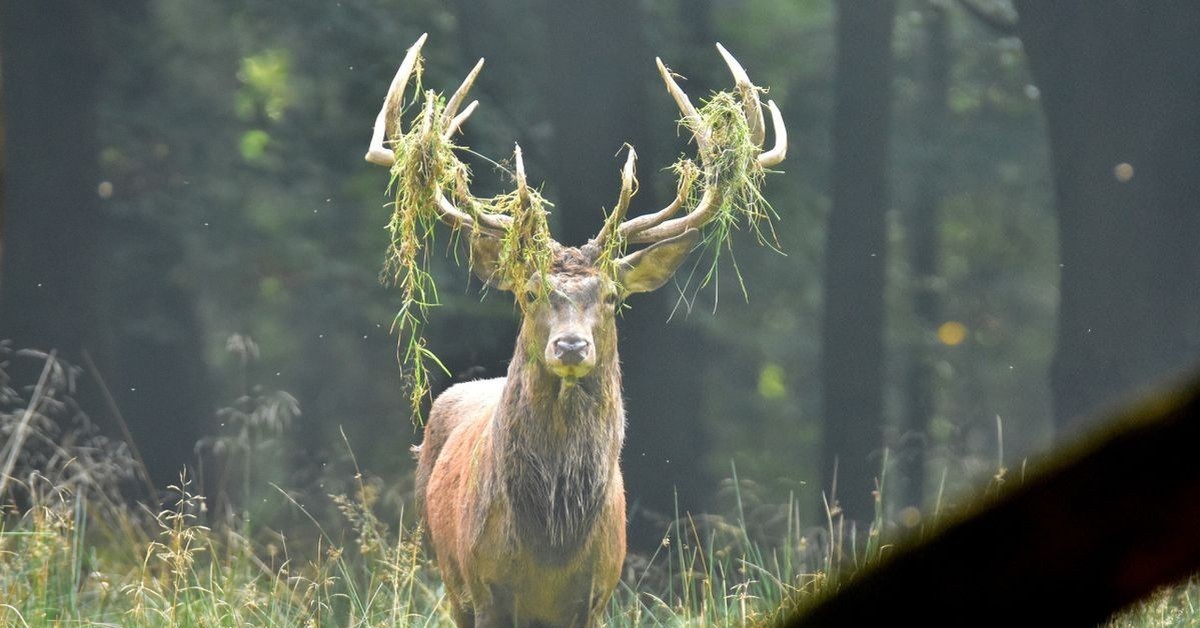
(987,217)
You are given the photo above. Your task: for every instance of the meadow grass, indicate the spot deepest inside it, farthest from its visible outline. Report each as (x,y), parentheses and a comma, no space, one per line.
(68,560)
(77,549)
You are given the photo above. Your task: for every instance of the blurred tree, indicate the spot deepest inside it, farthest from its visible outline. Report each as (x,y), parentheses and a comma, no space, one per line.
(1086,534)
(509,104)
(698,36)
(852,349)
(1120,92)
(50,297)
(598,71)
(996,260)
(3,169)
(594,100)
(152,352)
(923,247)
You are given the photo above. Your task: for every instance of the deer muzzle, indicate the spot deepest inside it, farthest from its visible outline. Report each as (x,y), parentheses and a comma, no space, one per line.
(570,355)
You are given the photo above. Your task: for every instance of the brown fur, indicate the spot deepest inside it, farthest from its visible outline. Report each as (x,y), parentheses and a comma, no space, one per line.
(519,477)
(522,492)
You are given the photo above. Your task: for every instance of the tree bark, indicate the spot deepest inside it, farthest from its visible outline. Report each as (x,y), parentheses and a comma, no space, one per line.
(856,247)
(923,250)
(1120,90)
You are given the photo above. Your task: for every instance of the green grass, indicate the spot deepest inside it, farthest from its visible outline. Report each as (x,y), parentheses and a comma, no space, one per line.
(69,559)
(65,559)
(75,548)
(1177,605)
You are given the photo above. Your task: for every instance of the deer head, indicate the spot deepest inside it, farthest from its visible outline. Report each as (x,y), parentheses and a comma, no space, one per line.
(569,295)
(569,313)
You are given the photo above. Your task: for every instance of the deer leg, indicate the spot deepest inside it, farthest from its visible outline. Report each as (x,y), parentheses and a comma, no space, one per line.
(496,611)
(463,616)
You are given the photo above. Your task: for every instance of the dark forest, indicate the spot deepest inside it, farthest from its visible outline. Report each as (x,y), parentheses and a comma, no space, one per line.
(982,249)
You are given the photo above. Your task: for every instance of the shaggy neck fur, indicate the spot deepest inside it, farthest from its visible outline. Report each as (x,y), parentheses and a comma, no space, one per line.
(558,449)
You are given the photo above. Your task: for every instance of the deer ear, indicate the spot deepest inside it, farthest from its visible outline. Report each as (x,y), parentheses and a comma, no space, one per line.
(485,261)
(650,268)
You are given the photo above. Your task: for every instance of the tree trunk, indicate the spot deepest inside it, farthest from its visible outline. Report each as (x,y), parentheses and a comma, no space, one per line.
(3,152)
(599,70)
(49,289)
(856,247)
(923,251)
(1120,90)
(62,288)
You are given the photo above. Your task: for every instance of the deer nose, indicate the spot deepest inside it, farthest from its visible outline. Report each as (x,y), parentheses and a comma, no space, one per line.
(570,349)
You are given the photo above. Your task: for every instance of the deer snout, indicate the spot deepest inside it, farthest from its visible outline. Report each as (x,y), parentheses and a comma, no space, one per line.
(571,350)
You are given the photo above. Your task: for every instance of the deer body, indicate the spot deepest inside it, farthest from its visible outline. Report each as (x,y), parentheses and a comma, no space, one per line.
(522,489)
(500,570)
(524,500)
(519,477)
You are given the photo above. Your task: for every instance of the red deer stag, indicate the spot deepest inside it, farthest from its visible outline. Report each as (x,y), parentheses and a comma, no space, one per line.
(518,476)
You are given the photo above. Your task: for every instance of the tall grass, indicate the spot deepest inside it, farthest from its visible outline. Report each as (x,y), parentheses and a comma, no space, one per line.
(63,560)
(75,550)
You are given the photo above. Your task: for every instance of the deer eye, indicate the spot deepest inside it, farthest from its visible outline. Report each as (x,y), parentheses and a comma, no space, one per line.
(611,299)
(530,296)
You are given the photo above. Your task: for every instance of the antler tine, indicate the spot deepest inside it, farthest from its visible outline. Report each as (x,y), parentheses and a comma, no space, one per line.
(385,130)
(641,223)
(453,126)
(779,151)
(451,215)
(522,185)
(628,189)
(646,221)
(694,121)
(377,153)
(699,216)
(645,229)
(750,103)
(654,227)
(460,94)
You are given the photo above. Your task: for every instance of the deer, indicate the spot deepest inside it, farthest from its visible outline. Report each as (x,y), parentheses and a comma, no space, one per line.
(518,477)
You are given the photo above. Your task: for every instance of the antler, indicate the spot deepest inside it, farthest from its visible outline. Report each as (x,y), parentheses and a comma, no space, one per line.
(656,226)
(385,131)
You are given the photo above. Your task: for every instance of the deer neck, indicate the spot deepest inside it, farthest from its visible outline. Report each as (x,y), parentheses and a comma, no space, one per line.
(558,449)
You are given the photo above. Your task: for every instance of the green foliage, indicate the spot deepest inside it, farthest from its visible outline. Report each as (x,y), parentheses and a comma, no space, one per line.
(68,559)
(525,247)
(427,169)
(734,171)
(1174,606)
(254,144)
(266,84)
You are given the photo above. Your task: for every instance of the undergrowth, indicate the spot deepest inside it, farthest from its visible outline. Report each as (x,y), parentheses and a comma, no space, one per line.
(97,553)
(77,548)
